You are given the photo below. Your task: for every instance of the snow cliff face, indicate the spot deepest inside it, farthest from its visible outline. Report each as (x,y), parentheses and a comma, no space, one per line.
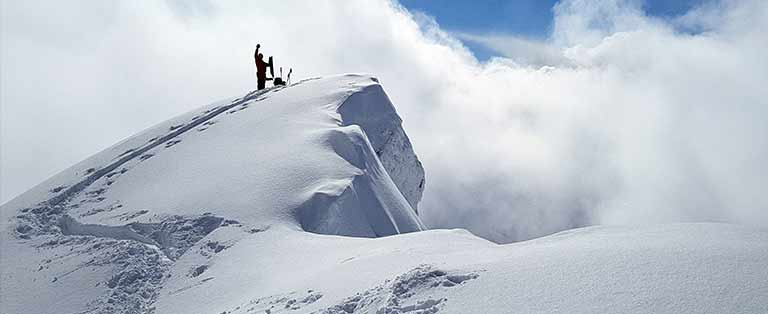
(374,113)
(210,213)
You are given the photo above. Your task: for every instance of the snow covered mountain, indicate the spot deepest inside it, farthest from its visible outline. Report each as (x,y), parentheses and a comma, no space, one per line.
(303,200)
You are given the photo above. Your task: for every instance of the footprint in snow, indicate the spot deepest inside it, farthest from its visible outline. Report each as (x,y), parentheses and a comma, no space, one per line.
(172,142)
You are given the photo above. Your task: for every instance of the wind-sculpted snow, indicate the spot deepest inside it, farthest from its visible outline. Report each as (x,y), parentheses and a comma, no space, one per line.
(413,292)
(373,112)
(302,200)
(366,207)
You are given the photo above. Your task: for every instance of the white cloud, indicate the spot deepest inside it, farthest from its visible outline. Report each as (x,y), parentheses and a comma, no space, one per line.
(520,51)
(645,124)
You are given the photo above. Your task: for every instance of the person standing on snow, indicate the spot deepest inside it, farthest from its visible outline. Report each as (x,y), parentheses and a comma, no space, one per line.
(261,68)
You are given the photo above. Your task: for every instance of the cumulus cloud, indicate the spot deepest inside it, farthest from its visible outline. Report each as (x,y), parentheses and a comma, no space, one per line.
(633,119)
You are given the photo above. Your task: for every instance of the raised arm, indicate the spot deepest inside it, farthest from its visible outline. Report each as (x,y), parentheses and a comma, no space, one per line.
(256,54)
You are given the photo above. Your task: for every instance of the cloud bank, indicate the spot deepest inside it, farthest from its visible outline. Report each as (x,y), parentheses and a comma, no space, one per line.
(618,118)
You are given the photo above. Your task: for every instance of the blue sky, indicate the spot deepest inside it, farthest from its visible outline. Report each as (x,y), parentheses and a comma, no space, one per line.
(524,18)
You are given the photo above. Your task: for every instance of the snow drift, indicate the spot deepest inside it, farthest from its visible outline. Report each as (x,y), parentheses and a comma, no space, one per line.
(303,199)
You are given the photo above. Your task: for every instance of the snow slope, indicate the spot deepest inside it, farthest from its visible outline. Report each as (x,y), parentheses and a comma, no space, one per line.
(686,268)
(209,213)
(298,157)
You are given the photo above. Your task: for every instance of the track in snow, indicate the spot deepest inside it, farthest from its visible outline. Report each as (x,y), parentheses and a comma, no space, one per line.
(139,152)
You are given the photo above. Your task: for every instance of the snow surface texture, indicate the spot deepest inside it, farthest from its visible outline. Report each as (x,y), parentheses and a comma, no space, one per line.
(208,213)
(299,157)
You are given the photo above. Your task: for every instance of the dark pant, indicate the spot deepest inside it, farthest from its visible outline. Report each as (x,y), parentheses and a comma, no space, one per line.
(262,83)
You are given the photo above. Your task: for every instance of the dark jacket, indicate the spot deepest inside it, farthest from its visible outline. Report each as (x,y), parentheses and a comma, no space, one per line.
(261,66)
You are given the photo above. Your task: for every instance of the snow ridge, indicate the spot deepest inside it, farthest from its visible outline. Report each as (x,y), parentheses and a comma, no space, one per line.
(91,223)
